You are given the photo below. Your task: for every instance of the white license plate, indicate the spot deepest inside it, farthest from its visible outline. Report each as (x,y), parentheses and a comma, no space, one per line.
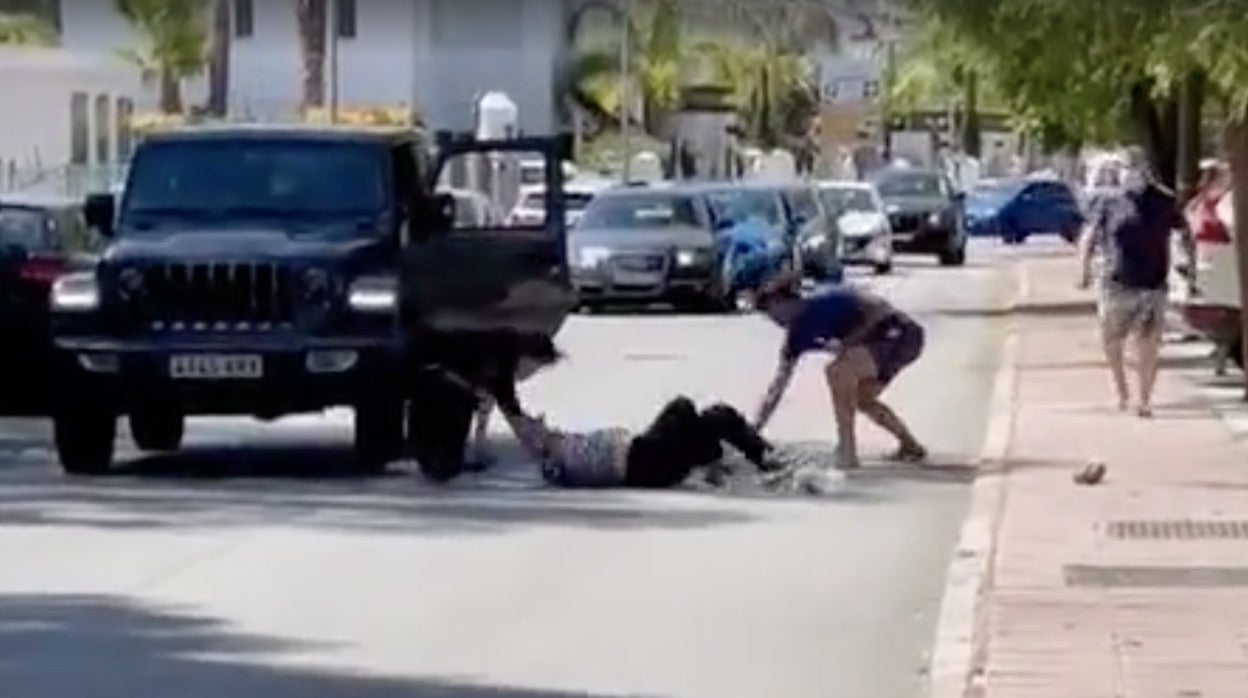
(216,366)
(636,278)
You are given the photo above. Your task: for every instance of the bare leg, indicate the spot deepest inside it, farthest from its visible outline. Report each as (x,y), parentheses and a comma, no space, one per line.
(479,452)
(1115,355)
(1148,361)
(870,405)
(845,374)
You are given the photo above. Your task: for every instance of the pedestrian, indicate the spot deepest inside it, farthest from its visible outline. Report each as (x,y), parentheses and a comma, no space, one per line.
(871,342)
(681,440)
(1131,228)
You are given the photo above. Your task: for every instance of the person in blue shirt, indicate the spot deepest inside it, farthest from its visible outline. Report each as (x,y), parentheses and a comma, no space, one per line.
(870,341)
(747,245)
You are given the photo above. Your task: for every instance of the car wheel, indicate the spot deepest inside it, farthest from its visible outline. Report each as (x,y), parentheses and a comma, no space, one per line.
(378,434)
(1236,353)
(438,421)
(955,257)
(85,437)
(884,268)
(154,429)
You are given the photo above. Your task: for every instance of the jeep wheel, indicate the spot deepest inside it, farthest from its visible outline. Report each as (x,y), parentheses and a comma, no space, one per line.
(438,421)
(378,435)
(84,437)
(157,429)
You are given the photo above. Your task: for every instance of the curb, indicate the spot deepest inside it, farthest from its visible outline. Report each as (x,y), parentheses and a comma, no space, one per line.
(957,654)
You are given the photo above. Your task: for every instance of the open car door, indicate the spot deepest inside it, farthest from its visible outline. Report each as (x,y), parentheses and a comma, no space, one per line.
(476,295)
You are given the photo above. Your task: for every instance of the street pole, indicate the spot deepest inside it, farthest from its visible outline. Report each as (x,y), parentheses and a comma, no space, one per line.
(626,92)
(332,8)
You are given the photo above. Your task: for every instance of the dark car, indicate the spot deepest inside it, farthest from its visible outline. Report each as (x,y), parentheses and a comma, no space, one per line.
(1013,210)
(271,270)
(649,244)
(41,238)
(762,202)
(815,233)
(925,212)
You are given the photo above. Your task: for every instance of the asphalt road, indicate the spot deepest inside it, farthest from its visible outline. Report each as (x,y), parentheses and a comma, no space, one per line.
(226,571)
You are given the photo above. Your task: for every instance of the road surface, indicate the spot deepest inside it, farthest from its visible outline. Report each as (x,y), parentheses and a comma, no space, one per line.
(222,572)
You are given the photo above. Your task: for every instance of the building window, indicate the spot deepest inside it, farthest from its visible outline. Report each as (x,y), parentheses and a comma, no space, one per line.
(125,130)
(346,18)
(79,128)
(103,129)
(244,19)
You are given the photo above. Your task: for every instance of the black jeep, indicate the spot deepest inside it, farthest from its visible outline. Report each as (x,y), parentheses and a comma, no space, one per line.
(260,270)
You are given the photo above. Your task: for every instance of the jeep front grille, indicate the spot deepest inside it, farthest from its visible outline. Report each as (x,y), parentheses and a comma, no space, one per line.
(217,295)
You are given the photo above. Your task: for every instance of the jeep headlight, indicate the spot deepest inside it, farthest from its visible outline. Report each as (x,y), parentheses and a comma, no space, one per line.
(130,282)
(315,283)
(374,294)
(589,257)
(76,293)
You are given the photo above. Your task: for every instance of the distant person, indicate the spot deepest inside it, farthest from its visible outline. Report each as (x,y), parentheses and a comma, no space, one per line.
(871,342)
(1131,228)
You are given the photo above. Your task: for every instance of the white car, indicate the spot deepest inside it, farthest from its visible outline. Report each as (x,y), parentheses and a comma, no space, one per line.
(860,216)
(530,210)
(1213,308)
(474,210)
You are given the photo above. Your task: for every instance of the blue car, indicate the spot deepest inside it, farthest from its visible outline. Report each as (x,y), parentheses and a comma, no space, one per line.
(1014,210)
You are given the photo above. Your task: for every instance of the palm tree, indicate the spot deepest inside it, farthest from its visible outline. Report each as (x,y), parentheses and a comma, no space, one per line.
(312,16)
(774,90)
(25,29)
(173,43)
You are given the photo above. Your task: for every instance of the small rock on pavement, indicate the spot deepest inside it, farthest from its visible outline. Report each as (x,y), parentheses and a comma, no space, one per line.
(1092,473)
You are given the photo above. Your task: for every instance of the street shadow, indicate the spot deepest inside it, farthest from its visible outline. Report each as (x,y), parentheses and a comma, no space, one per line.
(65,646)
(1031,310)
(939,471)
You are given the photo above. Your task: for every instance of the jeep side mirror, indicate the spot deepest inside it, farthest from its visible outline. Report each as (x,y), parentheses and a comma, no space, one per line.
(99,211)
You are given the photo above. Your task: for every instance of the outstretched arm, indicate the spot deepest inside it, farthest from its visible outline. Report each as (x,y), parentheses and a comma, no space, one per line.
(775,391)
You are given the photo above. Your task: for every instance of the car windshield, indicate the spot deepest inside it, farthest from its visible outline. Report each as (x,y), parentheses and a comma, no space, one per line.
(916,184)
(841,200)
(24,228)
(743,204)
(640,211)
(245,177)
(572,200)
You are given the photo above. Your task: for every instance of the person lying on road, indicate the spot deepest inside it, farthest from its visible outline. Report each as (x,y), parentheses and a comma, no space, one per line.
(871,342)
(682,439)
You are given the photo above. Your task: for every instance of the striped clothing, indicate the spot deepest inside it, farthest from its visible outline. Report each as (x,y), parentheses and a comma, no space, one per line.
(586,460)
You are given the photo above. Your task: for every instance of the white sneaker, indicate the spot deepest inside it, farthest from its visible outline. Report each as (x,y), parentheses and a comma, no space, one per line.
(818,481)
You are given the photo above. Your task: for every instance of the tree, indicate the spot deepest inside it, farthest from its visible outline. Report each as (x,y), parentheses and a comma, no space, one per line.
(219,59)
(25,30)
(173,42)
(312,17)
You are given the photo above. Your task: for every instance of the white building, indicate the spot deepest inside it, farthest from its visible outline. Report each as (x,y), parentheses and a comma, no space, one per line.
(434,55)
(60,109)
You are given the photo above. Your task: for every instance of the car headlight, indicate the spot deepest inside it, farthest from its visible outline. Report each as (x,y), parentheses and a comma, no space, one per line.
(934,218)
(130,282)
(374,294)
(592,256)
(692,258)
(79,292)
(315,283)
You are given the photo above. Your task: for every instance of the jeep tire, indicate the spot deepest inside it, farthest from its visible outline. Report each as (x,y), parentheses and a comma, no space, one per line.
(157,429)
(85,436)
(438,423)
(378,434)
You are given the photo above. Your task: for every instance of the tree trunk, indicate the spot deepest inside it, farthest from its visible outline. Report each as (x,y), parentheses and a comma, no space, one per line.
(1191,107)
(312,18)
(1156,123)
(219,60)
(1236,137)
(170,93)
(971,140)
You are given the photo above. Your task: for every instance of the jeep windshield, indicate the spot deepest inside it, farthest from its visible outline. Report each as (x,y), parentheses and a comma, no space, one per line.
(232,179)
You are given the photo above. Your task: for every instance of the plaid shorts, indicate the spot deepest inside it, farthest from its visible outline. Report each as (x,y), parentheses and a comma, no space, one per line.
(1125,311)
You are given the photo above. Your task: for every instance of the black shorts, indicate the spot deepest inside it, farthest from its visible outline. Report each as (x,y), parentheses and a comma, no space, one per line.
(895,344)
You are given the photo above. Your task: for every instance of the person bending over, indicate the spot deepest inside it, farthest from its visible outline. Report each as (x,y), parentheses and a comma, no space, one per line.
(871,342)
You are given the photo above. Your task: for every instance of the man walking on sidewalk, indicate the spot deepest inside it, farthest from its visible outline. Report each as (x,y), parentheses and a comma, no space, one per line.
(1132,228)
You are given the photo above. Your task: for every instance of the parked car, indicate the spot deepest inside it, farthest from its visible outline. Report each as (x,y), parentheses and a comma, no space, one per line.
(857,211)
(1014,210)
(649,244)
(925,212)
(815,233)
(530,209)
(41,238)
(1213,306)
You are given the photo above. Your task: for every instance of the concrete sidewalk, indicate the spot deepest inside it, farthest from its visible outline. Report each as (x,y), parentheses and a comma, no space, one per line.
(1136,587)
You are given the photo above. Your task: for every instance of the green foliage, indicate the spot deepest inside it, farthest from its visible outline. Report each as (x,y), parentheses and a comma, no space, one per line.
(173,44)
(24,29)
